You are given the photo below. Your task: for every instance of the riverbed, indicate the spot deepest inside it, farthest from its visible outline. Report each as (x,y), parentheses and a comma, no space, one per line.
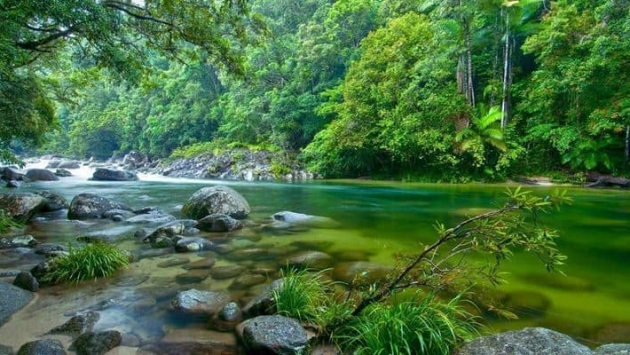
(376,220)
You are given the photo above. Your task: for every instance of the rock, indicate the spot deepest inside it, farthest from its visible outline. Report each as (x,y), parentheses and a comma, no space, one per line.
(91,343)
(77,325)
(170,229)
(152,217)
(202,264)
(613,349)
(13,184)
(63,173)
(54,201)
(23,241)
(174,262)
(197,302)
(256,254)
(325,349)
(104,174)
(216,199)
(193,342)
(13,299)
(134,160)
(40,175)
(228,317)
(528,341)
(246,281)
(48,249)
(89,206)
(117,215)
(5,350)
(68,164)
(26,281)
(22,207)
(273,335)
(360,271)
(219,223)
(42,347)
(316,260)
(11,173)
(227,271)
(294,218)
(192,244)
(265,302)
(192,277)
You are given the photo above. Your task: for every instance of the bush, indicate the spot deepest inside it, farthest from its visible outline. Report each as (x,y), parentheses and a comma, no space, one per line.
(93,261)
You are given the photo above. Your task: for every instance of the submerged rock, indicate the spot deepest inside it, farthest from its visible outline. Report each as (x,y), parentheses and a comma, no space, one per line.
(216,199)
(42,347)
(307,220)
(91,343)
(54,201)
(528,341)
(265,302)
(77,325)
(13,299)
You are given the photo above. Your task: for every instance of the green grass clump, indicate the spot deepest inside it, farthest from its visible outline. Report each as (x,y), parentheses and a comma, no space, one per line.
(90,262)
(422,326)
(301,295)
(6,222)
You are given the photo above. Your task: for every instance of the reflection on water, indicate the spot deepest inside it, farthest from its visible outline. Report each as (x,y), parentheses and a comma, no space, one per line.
(376,220)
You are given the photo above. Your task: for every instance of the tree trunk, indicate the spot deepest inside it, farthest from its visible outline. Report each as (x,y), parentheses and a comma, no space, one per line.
(627,143)
(506,72)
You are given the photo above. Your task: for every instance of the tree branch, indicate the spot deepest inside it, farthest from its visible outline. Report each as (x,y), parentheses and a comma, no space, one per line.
(35,45)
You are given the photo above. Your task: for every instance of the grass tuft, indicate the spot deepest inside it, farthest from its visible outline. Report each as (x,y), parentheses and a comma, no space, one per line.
(90,262)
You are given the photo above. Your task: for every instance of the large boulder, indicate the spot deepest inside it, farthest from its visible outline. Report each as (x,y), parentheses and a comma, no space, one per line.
(54,201)
(40,175)
(22,206)
(273,335)
(89,206)
(13,299)
(68,164)
(528,341)
(216,200)
(103,174)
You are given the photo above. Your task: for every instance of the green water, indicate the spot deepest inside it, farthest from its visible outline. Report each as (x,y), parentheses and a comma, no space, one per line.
(382,219)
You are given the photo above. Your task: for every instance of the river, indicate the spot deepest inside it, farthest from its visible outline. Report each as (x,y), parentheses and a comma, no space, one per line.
(376,219)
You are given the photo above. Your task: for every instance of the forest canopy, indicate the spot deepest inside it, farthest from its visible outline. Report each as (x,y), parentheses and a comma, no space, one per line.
(439,90)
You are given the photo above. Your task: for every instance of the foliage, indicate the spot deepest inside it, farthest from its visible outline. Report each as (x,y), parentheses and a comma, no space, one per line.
(423,325)
(90,262)
(6,222)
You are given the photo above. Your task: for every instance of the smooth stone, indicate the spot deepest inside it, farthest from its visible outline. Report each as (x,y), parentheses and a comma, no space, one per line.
(42,347)
(311,260)
(273,335)
(226,272)
(174,262)
(192,276)
(13,299)
(244,282)
(198,302)
(249,254)
(206,263)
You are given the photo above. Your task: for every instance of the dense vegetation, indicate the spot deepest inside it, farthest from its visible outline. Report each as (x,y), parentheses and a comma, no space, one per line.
(440,90)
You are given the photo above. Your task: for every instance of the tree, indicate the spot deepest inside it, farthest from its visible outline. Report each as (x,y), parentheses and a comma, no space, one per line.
(112,34)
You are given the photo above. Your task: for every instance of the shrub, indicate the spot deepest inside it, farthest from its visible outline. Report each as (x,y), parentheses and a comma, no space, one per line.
(93,261)
(301,295)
